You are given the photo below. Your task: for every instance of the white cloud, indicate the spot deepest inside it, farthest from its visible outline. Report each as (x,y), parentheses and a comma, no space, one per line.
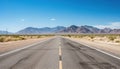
(22,20)
(52,19)
(113,25)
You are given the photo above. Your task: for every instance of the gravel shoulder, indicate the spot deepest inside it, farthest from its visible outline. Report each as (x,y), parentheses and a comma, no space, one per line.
(110,48)
(8,46)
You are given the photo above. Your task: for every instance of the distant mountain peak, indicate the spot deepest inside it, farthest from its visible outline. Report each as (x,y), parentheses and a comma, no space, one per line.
(74,26)
(62,29)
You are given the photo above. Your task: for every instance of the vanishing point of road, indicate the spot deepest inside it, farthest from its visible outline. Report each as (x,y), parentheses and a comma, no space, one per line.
(57,53)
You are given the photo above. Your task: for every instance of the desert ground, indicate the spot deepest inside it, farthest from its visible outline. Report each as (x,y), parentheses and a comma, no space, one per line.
(8,43)
(108,43)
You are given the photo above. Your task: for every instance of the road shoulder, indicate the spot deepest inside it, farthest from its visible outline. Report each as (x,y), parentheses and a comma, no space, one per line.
(112,49)
(9,46)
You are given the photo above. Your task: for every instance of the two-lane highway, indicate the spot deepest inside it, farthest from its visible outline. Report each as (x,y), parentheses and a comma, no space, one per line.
(58,53)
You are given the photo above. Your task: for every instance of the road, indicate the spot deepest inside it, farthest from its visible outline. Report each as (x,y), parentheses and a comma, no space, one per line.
(58,53)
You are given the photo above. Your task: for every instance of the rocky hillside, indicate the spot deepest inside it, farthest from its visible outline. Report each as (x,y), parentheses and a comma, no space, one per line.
(61,29)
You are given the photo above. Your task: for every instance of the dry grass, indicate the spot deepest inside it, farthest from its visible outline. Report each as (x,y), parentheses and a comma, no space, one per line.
(7,38)
(114,38)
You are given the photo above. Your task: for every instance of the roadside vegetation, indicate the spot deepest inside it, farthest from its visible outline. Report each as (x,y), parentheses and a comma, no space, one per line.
(7,38)
(114,38)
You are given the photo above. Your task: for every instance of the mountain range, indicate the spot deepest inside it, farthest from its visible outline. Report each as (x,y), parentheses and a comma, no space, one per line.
(89,29)
(61,29)
(31,30)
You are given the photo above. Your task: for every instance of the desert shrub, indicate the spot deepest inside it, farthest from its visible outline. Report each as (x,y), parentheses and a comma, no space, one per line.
(92,37)
(69,35)
(117,41)
(112,38)
(22,38)
(38,36)
(2,39)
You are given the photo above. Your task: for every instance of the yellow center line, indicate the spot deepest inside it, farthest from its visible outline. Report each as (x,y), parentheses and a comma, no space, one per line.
(60,52)
(60,58)
(60,64)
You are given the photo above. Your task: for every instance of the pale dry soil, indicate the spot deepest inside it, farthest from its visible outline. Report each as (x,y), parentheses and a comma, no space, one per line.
(8,46)
(111,48)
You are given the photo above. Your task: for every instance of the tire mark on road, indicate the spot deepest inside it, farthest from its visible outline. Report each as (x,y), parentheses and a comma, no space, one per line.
(93,62)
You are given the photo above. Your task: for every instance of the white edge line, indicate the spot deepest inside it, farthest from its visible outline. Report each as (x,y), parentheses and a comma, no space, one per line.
(16,50)
(104,52)
(99,50)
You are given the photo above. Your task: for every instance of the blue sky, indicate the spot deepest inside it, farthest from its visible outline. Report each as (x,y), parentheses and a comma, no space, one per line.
(18,14)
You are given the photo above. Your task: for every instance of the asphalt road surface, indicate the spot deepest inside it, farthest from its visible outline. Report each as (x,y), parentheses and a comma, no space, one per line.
(57,53)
